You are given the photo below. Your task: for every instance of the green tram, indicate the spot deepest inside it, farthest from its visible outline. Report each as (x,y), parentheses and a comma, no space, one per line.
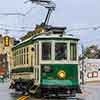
(47,64)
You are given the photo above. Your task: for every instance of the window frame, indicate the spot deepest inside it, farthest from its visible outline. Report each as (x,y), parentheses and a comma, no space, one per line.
(73,42)
(64,61)
(50,51)
(66,42)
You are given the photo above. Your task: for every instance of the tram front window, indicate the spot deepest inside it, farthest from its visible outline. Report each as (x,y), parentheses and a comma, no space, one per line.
(60,51)
(46,51)
(73,51)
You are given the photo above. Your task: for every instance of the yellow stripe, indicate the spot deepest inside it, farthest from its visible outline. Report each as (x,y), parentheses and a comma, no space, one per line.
(25,98)
(21,98)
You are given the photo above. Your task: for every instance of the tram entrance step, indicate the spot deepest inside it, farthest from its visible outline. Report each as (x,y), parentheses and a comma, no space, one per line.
(33,89)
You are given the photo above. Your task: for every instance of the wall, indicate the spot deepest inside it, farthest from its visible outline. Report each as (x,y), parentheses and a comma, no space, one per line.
(91,70)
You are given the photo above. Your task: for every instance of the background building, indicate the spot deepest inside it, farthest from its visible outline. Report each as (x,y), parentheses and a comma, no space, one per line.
(3,65)
(6,56)
(90,71)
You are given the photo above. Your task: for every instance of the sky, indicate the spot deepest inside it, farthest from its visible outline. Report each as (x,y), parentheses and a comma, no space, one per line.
(73,14)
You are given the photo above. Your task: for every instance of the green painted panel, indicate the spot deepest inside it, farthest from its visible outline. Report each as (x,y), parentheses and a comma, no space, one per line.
(57,38)
(71,71)
(23,44)
(25,69)
(57,82)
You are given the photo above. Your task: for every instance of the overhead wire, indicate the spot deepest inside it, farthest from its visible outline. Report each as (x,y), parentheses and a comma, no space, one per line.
(84,28)
(5,25)
(17,30)
(9,14)
(27,28)
(23,28)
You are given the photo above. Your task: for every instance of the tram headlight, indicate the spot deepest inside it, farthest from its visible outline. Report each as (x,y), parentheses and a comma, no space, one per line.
(61,74)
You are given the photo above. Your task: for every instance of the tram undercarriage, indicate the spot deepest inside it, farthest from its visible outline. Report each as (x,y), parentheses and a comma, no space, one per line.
(44,91)
(59,91)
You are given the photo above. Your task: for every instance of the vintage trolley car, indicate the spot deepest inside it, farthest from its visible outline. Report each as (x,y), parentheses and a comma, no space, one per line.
(46,64)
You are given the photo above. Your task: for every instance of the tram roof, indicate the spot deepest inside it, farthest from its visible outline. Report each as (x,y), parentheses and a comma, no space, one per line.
(56,36)
(44,37)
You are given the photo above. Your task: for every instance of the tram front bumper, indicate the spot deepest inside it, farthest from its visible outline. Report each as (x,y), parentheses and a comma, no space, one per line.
(61,90)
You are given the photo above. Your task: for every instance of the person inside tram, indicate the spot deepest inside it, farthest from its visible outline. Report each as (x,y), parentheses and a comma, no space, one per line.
(60,51)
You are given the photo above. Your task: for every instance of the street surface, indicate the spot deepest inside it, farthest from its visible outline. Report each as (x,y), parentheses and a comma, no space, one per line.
(90,92)
(5,93)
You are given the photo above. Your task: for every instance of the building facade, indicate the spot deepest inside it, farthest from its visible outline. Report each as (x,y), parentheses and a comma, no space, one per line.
(6,56)
(3,65)
(90,70)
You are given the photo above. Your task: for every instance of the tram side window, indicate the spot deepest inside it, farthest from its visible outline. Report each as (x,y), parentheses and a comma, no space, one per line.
(24,56)
(46,51)
(21,55)
(60,51)
(14,55)
(73,51)
(15,58)
(27,55)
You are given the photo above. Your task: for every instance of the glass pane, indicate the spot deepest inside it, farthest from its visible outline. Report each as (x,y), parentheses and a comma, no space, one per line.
(46,51)
(27,55)
(37,73)
(60,51)
(27,58)
(73,51)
